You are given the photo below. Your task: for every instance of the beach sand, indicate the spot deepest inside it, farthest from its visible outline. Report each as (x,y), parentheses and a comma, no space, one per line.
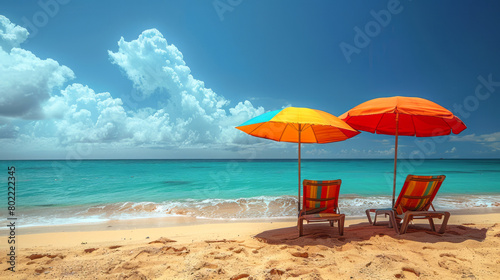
(469,249)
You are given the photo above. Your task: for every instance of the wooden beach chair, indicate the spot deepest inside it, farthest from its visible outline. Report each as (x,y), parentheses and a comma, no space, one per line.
(320,204)
(414,202)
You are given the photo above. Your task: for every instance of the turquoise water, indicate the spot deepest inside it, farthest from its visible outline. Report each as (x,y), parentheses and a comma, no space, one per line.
(61,192)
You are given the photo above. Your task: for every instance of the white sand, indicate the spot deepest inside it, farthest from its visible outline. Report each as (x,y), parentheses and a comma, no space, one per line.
(469,249)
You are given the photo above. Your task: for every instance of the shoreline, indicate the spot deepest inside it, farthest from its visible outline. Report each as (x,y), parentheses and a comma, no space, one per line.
(176,221)
(179,221)
(239,210)
(142,226)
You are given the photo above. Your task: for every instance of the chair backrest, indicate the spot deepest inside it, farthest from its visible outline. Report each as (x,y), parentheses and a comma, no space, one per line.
(417,193)
(321,196)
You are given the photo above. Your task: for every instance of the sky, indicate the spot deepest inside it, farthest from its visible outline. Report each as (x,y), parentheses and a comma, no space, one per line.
(171,79)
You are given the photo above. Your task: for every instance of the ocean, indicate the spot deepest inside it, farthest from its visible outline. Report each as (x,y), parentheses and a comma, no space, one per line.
(90,191)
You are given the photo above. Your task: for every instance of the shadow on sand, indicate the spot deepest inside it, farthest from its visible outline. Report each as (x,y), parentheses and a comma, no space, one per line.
(322,234)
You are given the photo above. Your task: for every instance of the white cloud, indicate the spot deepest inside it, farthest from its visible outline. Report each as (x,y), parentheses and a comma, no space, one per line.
(11,35)
(387,152)
(492,137)
(83,116)
(491,140)
(193,116)
(465,138)
(384,141)
(317,152)
(87,117)
(155,66)
(8,130)
(370,152)
(27,81)
(451,151)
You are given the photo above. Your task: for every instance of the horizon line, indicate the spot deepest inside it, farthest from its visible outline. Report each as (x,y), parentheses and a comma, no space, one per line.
(239,159)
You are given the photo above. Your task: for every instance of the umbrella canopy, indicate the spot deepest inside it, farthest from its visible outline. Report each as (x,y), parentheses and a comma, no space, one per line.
(299,125)
(415,116)
(399,115)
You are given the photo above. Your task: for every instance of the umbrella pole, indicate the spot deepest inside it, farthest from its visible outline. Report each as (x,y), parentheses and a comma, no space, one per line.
(299,171)
(395,161)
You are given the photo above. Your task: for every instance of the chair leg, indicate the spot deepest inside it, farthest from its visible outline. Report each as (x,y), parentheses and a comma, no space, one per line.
(341,225)
(393,223)
(375,218)
(445,222)
(301,226)
(377,213)
(406,221)
(369,217)
(431,223)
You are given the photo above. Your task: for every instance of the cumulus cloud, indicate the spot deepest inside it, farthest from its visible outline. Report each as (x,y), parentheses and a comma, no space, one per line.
(155,66)
(192,116)
(27,81)
(11,35)
(86,116)
(193,113)
(151,63)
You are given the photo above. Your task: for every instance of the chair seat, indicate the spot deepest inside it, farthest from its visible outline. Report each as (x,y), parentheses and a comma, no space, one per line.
(322,216)
(380,209)
(423,214)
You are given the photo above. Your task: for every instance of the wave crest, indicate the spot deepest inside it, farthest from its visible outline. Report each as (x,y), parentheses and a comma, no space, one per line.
(242,208)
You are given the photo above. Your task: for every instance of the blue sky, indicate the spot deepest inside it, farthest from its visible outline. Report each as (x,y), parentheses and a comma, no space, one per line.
(171,79)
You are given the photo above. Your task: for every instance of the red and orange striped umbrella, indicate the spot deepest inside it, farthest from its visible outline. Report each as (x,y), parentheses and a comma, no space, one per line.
(399,115)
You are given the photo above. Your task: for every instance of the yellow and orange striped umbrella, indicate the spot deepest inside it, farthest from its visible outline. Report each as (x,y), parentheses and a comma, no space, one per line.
(299,125)
(287,125)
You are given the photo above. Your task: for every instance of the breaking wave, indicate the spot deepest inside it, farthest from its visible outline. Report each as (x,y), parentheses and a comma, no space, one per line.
(261,207)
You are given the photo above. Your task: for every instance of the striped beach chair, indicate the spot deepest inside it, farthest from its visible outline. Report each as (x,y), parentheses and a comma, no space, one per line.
(414,202)
(320,204)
